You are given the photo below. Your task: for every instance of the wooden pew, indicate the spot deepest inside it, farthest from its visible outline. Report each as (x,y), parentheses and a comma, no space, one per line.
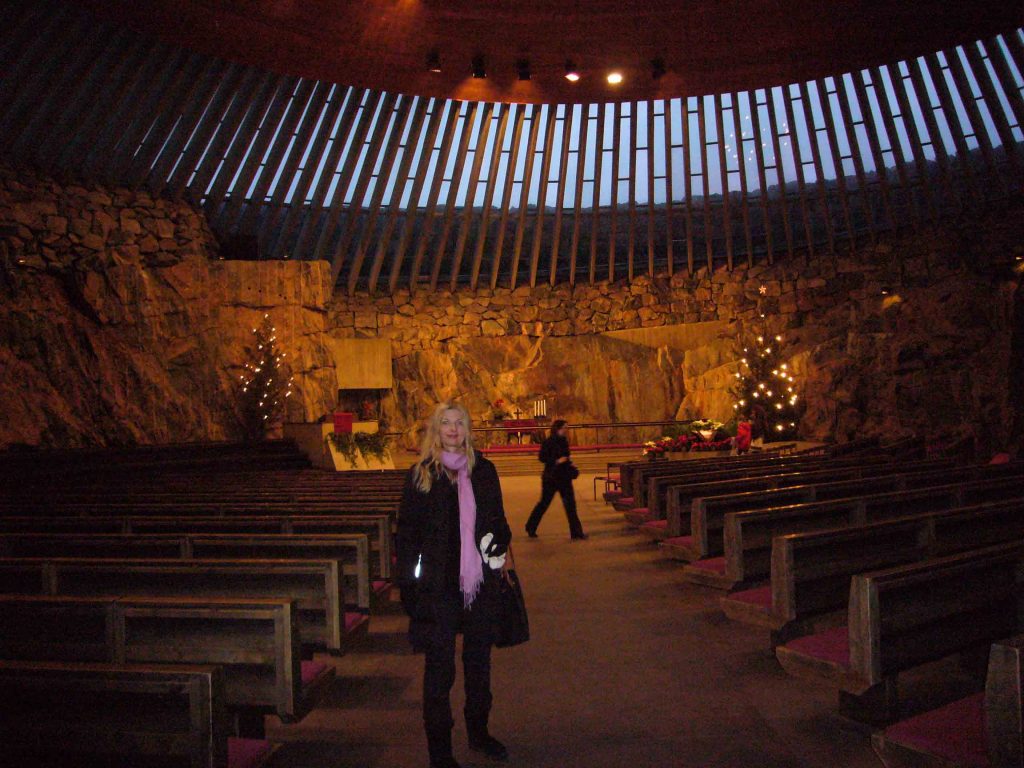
(350,549)
(315,586)
(82,715)
(378,529)
(984,729)
(653,521)
(255,640)
(707,514)
(902,617)
(749,535)
(811,572)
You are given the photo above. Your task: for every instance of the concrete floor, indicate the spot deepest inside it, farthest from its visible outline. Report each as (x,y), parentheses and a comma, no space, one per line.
(628,666)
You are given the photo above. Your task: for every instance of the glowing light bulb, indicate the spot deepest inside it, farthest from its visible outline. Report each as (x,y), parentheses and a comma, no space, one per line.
(614,78)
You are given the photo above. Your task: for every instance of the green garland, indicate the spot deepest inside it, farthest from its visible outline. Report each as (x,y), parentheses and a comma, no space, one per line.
(351,445)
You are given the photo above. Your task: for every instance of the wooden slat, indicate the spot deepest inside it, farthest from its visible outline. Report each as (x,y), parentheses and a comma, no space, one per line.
(798,164)
(737,120)
(601,120)
(995,107)
(892,135)
(542,192)
(492,185)
(650,187)
(563,170)
(916,144)
(93,86)
(688,141)
(363,121)
(581,168)
(466,224)
(963,87)
(207,127)
(376,203)
(669,229)
(445,116)
(237,154)
(934,134)
(403,180)
(386,121)
(1006,79)
(763,201)
(843,99)
(952,116)
(506,200)
(614,207)
(780,169)
(435,189)
(298,211)
(199,95)
(524,197)
(292,157)
(453,187)
(837,161)
(873,131)
(702,133)
(723,171)
(632,187)
(819,170)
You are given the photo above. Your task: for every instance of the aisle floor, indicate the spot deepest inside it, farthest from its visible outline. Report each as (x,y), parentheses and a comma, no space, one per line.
(628,666)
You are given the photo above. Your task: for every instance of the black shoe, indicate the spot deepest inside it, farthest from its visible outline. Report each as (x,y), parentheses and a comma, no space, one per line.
(580,537)
(490,746)
(531,534)
(444,762)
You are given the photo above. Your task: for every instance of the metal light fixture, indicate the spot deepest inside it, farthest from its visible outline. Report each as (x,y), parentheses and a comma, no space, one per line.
(523,69)
(572,74)
(433,61)
(479,67)
(657,68)
(614,78)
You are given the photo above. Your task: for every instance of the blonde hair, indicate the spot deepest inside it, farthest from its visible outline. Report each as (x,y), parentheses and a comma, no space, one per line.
(429,466)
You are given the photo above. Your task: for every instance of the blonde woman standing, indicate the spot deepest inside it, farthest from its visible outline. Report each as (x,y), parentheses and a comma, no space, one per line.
(452,541)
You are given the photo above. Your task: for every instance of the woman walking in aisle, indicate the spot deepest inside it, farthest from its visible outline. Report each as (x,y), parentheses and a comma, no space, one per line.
(452,542)
(557,477)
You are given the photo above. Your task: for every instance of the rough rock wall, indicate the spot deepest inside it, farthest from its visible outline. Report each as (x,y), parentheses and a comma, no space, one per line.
(120,324)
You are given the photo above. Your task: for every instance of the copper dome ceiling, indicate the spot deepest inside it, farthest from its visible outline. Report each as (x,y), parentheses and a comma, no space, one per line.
(705,46)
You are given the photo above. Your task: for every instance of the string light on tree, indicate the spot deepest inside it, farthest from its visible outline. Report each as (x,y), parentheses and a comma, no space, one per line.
(764,388)
(266,383)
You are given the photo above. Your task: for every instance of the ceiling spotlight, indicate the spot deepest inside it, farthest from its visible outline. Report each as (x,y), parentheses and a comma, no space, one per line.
(572,74)
(479,68)
(658,68)
(523,69)
(614,78)
(433,61)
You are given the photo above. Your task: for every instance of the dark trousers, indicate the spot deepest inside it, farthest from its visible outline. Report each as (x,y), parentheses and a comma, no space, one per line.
(439,670)
(563,487)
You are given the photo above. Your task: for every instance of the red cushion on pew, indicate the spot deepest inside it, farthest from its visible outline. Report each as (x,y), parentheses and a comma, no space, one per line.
(625,500)
(614,478)
(353,620)
(311,670)
(380,586)
(247,753)
(955,732)
(1000,458)
(832,645)
(656,524)
(716,564)
(761,596)
(642,511)
(682,541)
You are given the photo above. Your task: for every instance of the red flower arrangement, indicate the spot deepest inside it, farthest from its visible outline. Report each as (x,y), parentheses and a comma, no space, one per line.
(712,445)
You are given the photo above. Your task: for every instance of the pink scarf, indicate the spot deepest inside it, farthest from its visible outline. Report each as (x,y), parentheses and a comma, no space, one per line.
(471,569)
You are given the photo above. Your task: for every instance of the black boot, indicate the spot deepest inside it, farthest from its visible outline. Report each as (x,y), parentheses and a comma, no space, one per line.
(482,741)
(439,746)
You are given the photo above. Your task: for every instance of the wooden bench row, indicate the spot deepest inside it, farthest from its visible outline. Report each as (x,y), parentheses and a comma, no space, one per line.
(709,514)
(747,536)
(84,715)
(316,586)
(257,642)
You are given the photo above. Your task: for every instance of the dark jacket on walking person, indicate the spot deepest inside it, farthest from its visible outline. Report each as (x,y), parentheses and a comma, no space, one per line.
(452,540)
(557,477)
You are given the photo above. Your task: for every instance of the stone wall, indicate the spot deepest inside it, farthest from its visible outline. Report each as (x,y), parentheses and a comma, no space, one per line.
(120,323)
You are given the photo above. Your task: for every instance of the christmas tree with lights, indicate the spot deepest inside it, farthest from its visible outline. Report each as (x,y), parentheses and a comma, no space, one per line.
(266,383)
(765,388)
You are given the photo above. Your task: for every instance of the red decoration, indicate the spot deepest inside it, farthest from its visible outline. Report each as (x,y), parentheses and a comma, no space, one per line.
(343,421)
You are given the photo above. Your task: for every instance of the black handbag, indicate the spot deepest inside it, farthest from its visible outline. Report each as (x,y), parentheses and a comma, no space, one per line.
(513,625)
(574,471)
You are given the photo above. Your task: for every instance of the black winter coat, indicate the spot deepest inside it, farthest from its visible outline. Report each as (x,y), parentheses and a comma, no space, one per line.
(423,531)
(551,450)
